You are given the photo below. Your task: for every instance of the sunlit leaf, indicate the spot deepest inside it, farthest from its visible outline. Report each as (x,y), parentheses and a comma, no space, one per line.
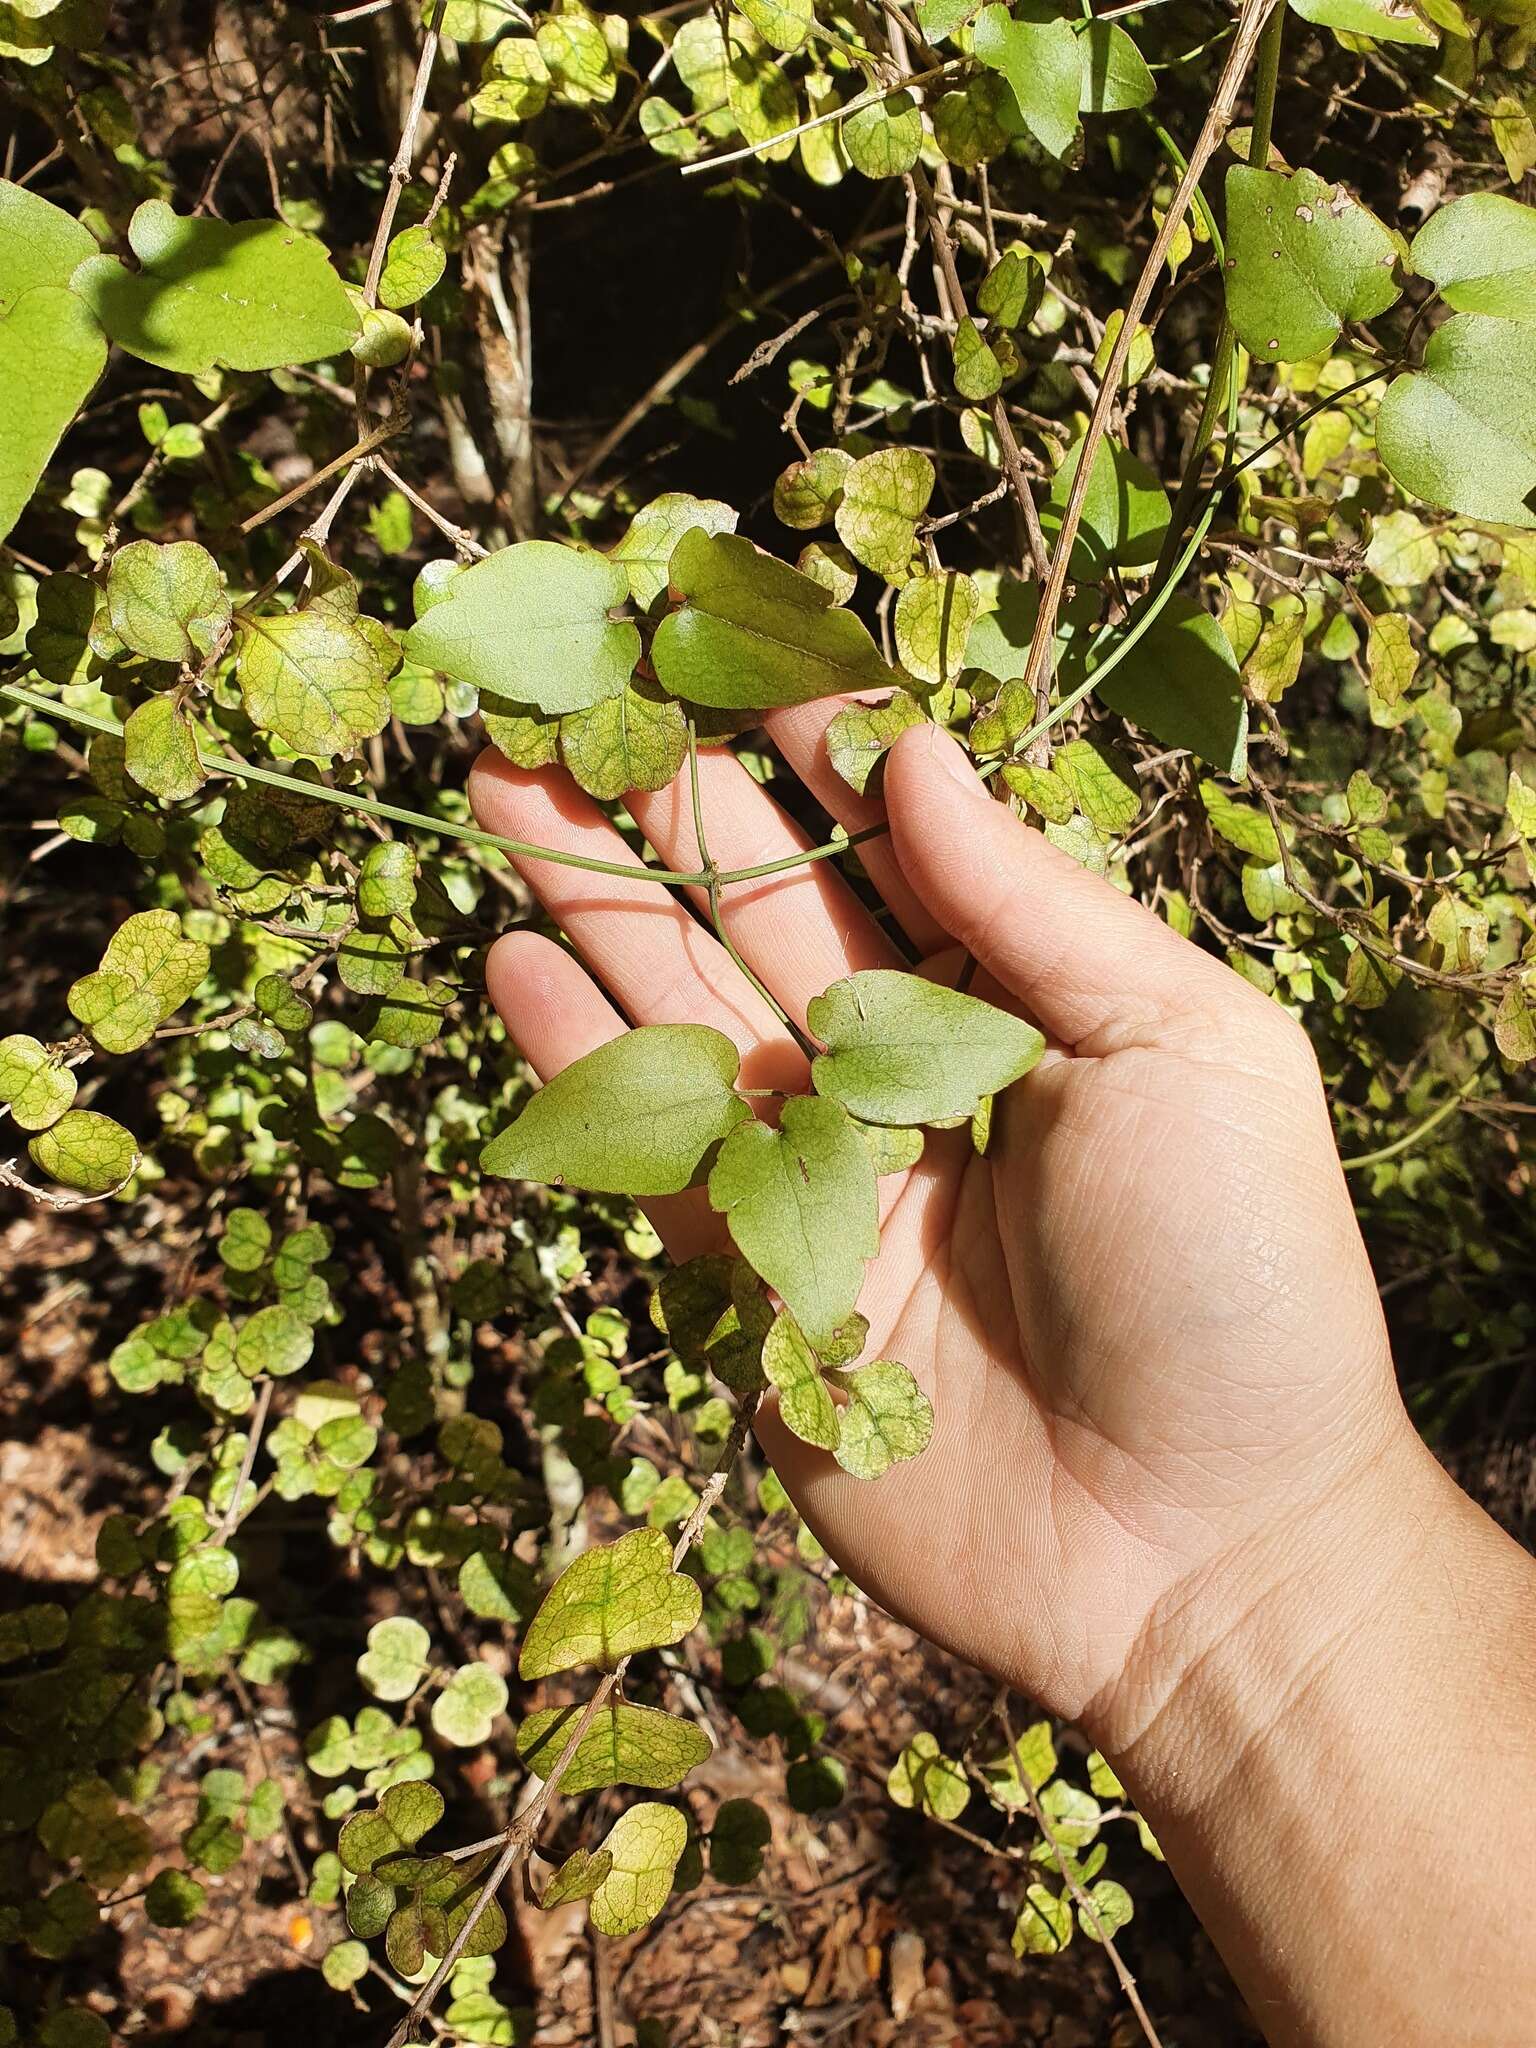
(613,1600)
(903,1050)
(626,1745)
(1303,257)
(646,1844)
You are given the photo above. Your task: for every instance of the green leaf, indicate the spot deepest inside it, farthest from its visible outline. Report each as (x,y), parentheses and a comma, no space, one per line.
(51,353)
(933,620)
(635,1117)
(147,972)
(645,547)
(1388,21)
(344,1964)
(801,1206)
(396,1824)
(884,139)
(577,1878)
(38,1089)
(807,494)
(501,1588)
(581,66)
(1044,1925)
(613,1600)
(465,1711)
(1181,684)
(737,1840)
(978,373)
(1012,289)
(315,676)
(1042,64)
(902,1050)
(783,23)
(626,1745)
(531,623)
(636,740)
(276,1340)
(1303,257)
(1241,825)
(646,1844)
(884,496)
(174,1899)
(924,1778)
(160,750)
(753,632)
(1461,430)
(412,266)
(804,1400)
(167,602)
(40,244)
(1115,75)
(1514,1026)
(528,739)
(859,738)
(888,1418)
(209,293)
(394,1664)
(1125,512)
(1481,252)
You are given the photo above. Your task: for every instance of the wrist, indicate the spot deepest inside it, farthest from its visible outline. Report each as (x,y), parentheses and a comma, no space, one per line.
(1220,1660)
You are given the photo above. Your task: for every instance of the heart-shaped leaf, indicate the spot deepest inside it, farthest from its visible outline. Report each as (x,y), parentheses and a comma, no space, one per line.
(613,1600)
(635,1117)
(1180,682)
(802,1207)
(647,543)
(902,1050)
(753,632)
(51,353)
(531,624)
(577,1878)
(636,740)
(1042,64)
(316,676)
(1461,430)
(1481,252)
(250,296)
(1303,256)
(167,602)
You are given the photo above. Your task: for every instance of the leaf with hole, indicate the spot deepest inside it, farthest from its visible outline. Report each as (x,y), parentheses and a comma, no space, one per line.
(1303,258)
(614,1599)
(1385,21)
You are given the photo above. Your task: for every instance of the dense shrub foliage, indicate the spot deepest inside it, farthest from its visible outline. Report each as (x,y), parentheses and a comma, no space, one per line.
(1150,399)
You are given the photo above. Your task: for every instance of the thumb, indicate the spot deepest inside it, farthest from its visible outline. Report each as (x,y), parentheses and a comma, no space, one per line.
(1096,969)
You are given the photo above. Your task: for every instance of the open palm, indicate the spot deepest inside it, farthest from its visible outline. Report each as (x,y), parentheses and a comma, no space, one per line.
(1137,1356)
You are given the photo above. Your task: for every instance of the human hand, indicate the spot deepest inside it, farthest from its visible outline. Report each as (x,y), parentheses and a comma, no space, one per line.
(1145,1319)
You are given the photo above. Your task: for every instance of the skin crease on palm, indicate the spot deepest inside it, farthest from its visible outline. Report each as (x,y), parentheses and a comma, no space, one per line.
(1145,1319)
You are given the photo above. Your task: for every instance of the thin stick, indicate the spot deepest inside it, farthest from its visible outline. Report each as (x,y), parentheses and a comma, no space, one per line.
(1081,1900)
(400,169)
(1256,14)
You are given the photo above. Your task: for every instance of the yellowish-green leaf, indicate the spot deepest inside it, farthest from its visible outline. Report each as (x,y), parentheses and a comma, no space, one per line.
(884,496)
(613,1600)
(635,1117)
(316,676)
(147,972)
(805,1404)
(646,1845)
(86,1151)
(626,1745)
(34,1085)
(888,1419)
(160,750)
(645,547)
(903,1050)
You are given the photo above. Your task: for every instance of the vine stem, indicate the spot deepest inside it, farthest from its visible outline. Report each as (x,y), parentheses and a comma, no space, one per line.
(1256,15)
(446,828)
(1223,384)
(400,168)
(1084,1904)
(1417,1135)
(521,1836)
(871,98)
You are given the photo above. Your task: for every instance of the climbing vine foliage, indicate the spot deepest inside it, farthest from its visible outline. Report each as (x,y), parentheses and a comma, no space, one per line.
(1132,426)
